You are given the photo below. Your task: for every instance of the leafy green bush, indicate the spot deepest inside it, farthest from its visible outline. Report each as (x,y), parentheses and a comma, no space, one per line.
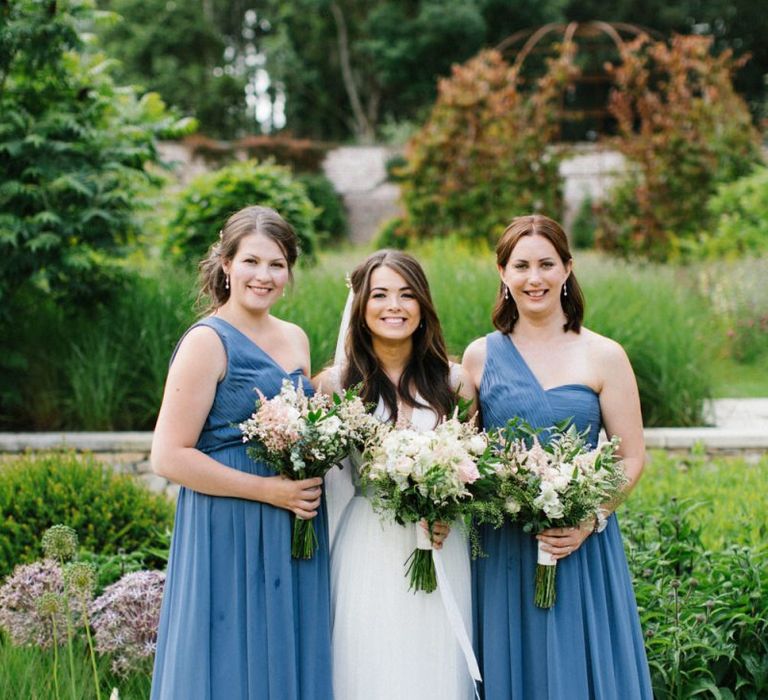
(485,156)
(331,222)
(739,210)
(704,613)
(207,202)
(74,148)
(110,513)
(392,234)
(584,225)
(683,130)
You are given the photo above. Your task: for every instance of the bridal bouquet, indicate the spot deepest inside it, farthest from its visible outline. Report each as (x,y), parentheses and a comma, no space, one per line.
(303,436)
(427,476)
(558,482)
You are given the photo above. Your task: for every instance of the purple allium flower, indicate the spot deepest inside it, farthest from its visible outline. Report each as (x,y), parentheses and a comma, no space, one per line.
(26,610)
(125,618)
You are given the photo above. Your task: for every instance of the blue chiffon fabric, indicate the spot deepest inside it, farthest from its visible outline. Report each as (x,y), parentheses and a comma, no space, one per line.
(241,619)
(589,646)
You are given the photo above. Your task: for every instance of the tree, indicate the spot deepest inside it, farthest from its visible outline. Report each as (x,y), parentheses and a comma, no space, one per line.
(174,48)
(485,156)
(684,131)
(74,148)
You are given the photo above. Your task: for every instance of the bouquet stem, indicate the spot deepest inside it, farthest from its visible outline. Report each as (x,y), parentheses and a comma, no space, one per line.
(421,571)
(304,541)
(546,569)
(421,566)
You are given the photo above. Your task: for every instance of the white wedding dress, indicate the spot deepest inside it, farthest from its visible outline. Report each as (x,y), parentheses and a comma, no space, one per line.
(388,642)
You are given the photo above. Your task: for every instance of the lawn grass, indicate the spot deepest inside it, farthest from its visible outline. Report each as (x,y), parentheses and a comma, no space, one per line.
(731,492)
(733,380)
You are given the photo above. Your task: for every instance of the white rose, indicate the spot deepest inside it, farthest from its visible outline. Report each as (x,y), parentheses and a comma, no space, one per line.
(477,444)
(329,426)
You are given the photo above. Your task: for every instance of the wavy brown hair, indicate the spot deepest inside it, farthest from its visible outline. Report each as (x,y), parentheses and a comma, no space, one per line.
(242,223)
(428,370)
(505,312)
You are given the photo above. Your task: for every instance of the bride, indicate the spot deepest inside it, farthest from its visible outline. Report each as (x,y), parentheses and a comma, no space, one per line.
(390,643)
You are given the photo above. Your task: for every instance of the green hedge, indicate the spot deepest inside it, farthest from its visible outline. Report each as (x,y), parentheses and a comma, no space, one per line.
(210,199)
(111,513)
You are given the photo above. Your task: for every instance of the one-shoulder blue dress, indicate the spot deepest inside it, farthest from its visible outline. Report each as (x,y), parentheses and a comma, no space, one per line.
(241,619)
(589,645)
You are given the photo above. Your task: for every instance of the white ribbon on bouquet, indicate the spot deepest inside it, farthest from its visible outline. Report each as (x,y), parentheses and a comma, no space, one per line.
(451,606)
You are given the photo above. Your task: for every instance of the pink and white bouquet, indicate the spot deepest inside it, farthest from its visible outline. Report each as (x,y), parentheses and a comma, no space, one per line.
(552,483)
(302,436)
(415,476)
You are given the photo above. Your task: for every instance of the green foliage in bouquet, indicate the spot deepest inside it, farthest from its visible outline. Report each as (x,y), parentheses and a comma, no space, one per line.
(683,130)
(485,156)
(111,512)
(208,201)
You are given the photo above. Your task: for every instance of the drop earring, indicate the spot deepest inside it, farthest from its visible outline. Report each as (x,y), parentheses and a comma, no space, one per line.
(226,282)
(506,292)
(565,290)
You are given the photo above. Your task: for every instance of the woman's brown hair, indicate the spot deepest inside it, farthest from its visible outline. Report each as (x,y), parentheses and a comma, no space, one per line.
(428,368)
(254,219)
(505,312)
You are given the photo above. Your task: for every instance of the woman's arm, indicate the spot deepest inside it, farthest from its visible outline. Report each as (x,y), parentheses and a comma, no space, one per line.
(199,365)
(328,381)
(620,406)
(473,362)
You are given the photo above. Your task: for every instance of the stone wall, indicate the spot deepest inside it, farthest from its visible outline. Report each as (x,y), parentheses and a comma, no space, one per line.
(359,175)
(125,453)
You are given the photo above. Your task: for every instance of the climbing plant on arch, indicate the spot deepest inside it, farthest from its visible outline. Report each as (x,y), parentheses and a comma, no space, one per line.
(485,153)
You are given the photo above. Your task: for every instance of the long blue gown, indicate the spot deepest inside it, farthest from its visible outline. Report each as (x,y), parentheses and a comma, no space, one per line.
(241,619)
(589,646)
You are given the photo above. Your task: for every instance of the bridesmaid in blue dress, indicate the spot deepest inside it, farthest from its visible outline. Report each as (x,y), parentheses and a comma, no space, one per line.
(240,619)
(543,366)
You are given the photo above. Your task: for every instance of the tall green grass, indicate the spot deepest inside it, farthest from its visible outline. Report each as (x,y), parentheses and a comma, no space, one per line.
(665,328)
(106,371)
(26,673)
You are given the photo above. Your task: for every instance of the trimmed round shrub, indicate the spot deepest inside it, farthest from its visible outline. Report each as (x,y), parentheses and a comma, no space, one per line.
(210,199)
(109,512)
(331,222)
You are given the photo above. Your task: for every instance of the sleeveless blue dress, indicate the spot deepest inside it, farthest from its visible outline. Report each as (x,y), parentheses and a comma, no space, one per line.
(241,619)
(589,645)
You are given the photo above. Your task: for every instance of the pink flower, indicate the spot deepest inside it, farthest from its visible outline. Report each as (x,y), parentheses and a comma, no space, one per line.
(468,472)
